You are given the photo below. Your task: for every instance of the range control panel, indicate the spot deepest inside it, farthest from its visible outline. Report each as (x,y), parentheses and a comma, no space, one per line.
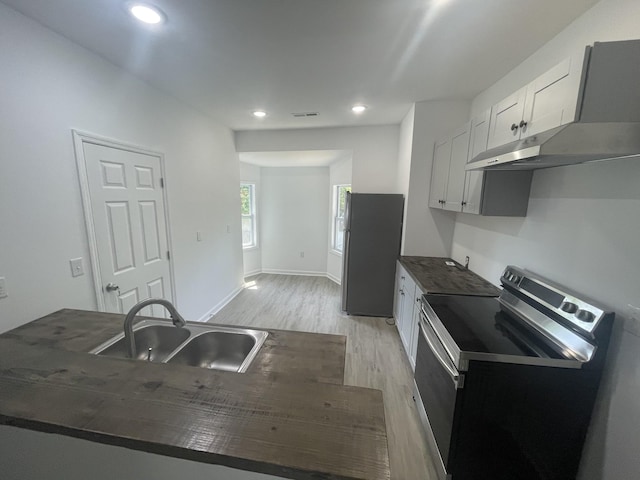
(579,311)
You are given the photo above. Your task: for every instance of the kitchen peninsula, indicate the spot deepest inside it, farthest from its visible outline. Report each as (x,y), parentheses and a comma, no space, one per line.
(289,416)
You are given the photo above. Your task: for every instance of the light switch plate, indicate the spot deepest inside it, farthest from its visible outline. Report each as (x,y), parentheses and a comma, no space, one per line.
(77,268)
(3,288)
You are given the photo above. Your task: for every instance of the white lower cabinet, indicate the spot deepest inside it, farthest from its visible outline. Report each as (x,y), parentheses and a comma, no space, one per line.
(407,310)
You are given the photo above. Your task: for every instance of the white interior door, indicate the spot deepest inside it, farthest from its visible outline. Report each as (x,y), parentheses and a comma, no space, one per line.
(128,219)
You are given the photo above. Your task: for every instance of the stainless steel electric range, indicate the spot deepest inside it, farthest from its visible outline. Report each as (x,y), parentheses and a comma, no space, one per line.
(505,386)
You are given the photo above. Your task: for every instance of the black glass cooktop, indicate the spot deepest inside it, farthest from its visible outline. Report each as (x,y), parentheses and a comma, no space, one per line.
(477,324)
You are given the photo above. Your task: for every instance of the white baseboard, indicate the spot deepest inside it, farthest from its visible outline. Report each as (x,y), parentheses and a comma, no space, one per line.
(304,273)
(252,273)
(295,272)
(221,304)
(334,279)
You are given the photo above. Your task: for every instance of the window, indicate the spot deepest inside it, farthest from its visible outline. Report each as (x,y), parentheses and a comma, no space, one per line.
(339,208)
(248,206)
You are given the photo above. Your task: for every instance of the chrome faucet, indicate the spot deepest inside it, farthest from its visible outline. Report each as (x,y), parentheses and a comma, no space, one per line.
(177,319)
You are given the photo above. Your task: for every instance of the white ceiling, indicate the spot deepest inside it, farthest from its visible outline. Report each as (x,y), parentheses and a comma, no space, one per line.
(227,58)
(303,158)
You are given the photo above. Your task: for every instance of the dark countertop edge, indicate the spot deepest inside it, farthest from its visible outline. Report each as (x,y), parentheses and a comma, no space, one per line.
(170,450)
(19,333)
(409,268)
(174,451)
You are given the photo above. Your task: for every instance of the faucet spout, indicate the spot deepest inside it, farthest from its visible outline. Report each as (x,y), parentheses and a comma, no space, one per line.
(177,319)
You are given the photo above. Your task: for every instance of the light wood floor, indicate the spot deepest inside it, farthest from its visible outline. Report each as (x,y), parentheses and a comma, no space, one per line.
(375,356)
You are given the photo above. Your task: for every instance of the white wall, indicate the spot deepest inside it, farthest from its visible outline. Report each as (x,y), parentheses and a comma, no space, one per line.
(294,210)
(375,150)
(582,230)
(49,86)
(339,174)
(37,455)
(252,257)
(427,231)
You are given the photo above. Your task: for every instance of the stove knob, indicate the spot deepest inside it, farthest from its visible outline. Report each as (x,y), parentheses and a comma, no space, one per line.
(569,307)
(585,316)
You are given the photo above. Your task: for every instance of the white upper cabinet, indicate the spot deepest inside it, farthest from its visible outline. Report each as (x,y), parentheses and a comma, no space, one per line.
(448,174)
(495,193)
(473,180)
(440,172)
(459,154)
(505,119)
(547,102)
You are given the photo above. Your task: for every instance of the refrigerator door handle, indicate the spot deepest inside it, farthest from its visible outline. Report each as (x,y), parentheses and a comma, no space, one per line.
(345,268)
(347,212)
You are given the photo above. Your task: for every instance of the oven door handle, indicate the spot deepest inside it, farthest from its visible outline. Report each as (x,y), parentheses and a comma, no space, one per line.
(438,351)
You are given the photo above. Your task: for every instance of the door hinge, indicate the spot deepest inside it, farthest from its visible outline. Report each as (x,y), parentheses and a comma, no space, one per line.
(168,255)
(161,182)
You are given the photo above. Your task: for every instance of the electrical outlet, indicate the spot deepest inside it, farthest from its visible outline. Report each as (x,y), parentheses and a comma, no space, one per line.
(301,254)
(632,321)
(3,288)
(76,267)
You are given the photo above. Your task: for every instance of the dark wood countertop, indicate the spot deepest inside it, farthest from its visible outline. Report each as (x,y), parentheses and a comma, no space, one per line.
(433,276)
(289,415)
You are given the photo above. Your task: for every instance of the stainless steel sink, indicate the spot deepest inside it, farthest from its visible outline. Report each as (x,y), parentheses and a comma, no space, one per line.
(220,350)
(196,344)
(163,340)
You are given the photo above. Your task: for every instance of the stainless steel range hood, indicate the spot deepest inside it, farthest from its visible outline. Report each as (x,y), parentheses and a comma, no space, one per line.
(566,145)
(608,120)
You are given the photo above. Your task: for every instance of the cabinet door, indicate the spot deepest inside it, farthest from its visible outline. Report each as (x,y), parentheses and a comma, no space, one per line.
(549,102)
(456,180)
(477,144)
(440,172)
(397,296)
(407,313)
(505,119)
(413,346)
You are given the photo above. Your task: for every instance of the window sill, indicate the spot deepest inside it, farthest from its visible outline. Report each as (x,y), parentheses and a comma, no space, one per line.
(249,249)
(335,252)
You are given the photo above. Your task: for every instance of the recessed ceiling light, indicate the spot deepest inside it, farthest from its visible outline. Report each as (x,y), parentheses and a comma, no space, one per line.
(358,108)
(260,113)
(146,13)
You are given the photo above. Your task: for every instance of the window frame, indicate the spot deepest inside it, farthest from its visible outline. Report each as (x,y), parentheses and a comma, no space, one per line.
(335,217)
(253,215)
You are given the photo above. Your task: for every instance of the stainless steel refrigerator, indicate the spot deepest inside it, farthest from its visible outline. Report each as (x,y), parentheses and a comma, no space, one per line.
(372,234)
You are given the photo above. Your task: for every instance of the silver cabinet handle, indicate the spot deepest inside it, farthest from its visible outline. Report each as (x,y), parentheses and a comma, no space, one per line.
(453,372)
(112,287)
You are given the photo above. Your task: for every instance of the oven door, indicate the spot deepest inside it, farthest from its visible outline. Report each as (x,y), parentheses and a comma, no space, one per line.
(437,383)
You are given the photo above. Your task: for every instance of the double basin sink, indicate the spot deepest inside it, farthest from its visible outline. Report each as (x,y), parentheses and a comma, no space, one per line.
(197,345)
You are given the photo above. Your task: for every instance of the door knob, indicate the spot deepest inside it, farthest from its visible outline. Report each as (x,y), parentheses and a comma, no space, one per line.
(523,124)
(112,287)
(514,127)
